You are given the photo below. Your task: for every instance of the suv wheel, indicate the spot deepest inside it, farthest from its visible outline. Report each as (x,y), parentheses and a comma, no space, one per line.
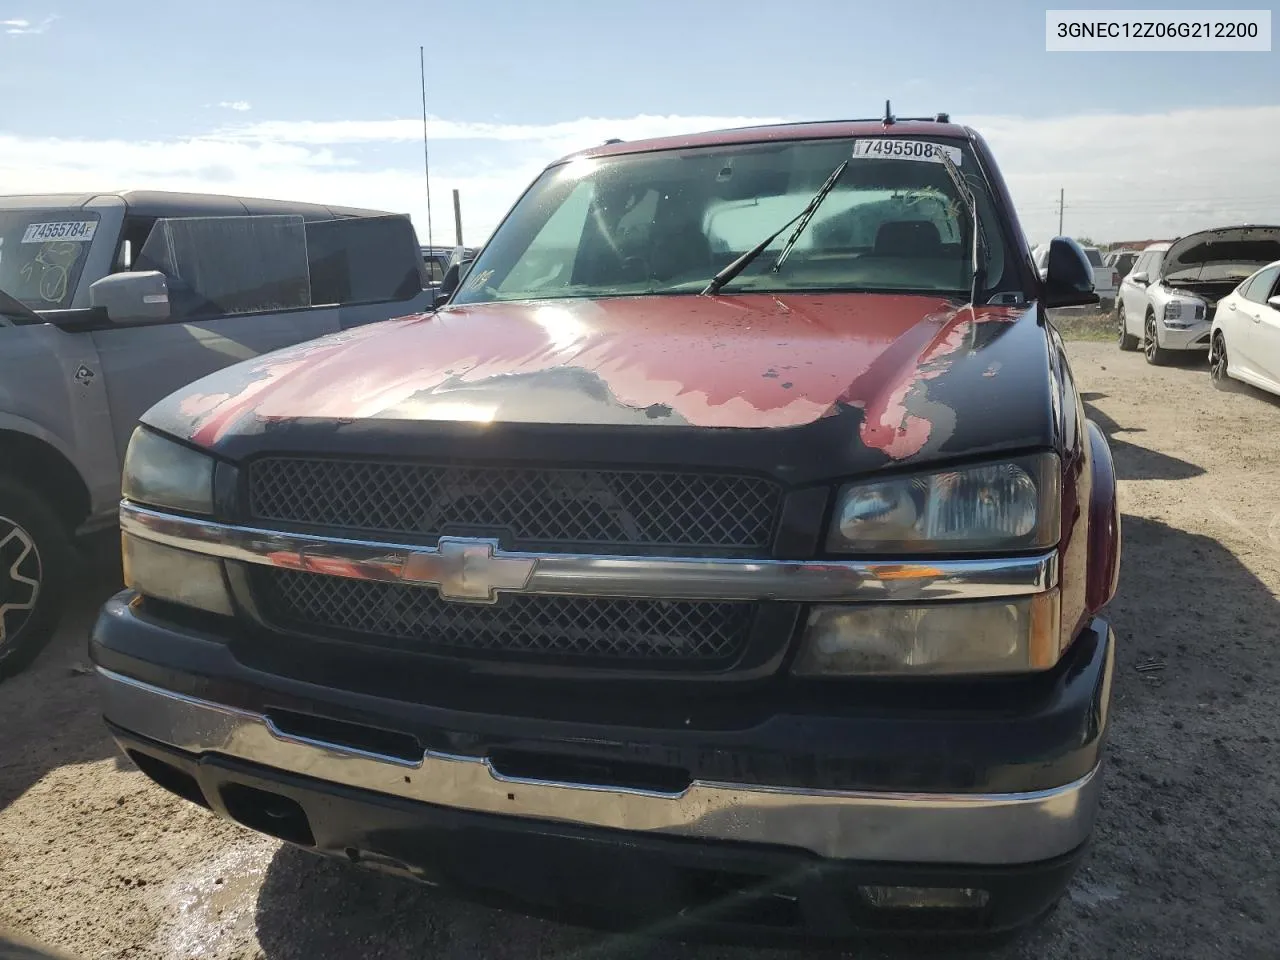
(34,559)
(1156,354)
(1127,340)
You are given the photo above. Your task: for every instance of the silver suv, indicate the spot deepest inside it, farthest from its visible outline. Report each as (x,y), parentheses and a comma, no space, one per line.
(109,302)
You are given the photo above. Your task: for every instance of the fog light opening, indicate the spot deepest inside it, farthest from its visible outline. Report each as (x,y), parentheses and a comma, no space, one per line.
(925,898)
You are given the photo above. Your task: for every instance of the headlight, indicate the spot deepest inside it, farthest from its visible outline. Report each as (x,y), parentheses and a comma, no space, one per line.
(1016,635)
(1182,313)
(1011,505)
(179,576)
(161,473)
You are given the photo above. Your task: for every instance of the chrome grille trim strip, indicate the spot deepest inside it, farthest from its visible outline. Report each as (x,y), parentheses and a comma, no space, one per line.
(567,574)
(900,827)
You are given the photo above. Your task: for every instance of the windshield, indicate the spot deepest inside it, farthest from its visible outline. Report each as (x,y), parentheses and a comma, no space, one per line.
(42,253)
(666,222)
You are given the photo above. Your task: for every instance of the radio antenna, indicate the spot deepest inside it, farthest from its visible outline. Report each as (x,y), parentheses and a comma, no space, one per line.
(426,155)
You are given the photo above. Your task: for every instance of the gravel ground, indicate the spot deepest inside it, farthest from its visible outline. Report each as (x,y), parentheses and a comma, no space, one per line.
(97,862)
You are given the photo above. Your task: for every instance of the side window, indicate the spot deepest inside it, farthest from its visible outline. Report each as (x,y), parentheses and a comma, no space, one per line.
(133,237)
(1141,263)
(363,260)
(548,262)
(223,265)
(1259,288)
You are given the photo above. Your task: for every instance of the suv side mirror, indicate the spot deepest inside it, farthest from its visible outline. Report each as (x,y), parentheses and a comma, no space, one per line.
(1068,275)
(1274,302)
(1141,277)
(133,297)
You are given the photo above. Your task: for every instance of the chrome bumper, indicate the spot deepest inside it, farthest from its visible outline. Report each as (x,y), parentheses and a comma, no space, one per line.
(988,829)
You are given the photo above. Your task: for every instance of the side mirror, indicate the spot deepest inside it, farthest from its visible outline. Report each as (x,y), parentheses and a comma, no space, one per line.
(1068,275)
(1274,302)
(137,297)
(453,276)
(1141,277)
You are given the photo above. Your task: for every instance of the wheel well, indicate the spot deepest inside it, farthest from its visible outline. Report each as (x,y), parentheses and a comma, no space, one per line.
(46,471)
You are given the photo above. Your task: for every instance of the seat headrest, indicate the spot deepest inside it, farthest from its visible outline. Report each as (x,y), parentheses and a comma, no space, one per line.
(908,238)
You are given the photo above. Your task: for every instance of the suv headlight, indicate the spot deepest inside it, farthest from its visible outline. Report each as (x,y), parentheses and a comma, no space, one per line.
(162,473)
(1182,313)
(1010,505)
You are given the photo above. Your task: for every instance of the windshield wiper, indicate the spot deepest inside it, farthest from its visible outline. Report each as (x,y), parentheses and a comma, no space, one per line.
(979,239)
(805,215)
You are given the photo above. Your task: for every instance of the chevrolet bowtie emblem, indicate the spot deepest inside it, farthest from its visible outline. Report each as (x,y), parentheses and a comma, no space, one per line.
(466,569)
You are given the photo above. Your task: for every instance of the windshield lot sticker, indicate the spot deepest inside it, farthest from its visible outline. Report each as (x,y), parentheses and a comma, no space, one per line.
(881,149)
(76,231)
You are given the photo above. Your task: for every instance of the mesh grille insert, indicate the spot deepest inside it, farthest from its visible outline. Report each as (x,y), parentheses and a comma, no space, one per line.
(416,619)
(605,511)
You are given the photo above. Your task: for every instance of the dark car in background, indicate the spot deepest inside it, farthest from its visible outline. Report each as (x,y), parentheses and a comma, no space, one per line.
(730,549)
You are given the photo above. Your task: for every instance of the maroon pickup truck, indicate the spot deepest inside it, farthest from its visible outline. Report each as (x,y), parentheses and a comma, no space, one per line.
(726,554)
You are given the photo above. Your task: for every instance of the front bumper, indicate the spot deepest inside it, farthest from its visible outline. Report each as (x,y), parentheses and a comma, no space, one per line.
(317,778)
(643,882)
(1195,337)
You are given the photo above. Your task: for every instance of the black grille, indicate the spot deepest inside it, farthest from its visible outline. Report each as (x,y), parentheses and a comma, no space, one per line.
(607,511)
(416,619)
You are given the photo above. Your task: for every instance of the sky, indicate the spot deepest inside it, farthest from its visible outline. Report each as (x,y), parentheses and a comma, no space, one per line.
(319,100)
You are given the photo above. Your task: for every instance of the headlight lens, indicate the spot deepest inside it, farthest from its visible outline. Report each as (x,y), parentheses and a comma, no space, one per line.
(179,576)
(1014,635)
(162,473)
(1010,505)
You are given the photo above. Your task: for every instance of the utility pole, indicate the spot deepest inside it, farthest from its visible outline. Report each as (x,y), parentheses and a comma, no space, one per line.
(457,217)
(1061,194)
(426,155)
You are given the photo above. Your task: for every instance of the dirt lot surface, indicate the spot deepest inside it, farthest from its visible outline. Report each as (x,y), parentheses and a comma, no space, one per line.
(97,862)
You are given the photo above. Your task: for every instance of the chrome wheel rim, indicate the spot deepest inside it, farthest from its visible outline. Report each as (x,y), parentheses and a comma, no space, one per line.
(1149,344)
(1218,360)
(20,576)
(1120,317)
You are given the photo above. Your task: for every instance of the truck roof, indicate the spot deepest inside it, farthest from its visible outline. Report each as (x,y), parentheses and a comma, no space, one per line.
(811,130)
(163,203)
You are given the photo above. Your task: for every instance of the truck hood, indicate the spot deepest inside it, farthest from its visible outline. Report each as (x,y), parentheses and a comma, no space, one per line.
(751,362)
(1246,244)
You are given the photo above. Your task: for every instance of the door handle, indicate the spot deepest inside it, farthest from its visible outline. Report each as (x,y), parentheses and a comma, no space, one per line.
(1231,306)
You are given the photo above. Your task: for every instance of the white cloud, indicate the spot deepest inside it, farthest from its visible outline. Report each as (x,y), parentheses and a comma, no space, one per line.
(18,28)
(1125,177)
(239,105)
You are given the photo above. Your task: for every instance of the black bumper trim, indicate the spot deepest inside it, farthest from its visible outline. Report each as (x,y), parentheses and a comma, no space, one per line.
(1014,737)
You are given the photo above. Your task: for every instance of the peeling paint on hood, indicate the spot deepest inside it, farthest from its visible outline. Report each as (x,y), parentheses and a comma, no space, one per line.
(750,362)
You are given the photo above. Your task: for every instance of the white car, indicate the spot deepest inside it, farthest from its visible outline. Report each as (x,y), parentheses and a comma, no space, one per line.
(1168,301)
(1106,279)
(1245,342)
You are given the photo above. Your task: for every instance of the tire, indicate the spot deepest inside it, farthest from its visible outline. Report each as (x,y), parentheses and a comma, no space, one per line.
(1127,341)
(1218,368)
(35,560)
(1156,355)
